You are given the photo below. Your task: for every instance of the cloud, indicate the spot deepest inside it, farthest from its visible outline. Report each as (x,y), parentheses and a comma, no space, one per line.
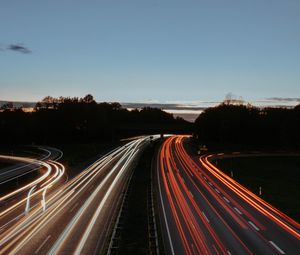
(277,102)
(164,106)
(19,48)
(284,99)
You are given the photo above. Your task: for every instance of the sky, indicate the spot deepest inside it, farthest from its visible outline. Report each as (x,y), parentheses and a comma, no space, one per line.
(150,50)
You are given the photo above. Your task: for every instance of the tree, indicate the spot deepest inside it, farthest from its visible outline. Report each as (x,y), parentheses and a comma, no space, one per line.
(232,99)
(88,99)
(47,102)
(7,106)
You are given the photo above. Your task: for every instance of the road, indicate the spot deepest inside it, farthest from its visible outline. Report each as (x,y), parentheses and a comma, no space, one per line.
(22,166)
(204,211)
(32,188)
(76,216)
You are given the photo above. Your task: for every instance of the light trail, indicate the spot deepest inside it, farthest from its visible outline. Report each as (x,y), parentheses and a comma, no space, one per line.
(69,209)
(88,230)
(28,199)
(262,206)
(72,224)
(13,215)
(35,182)
(45,157)
(60,170)
(209,213)
(176,184)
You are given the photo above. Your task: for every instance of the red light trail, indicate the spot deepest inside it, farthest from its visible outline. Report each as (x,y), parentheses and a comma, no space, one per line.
(207,212)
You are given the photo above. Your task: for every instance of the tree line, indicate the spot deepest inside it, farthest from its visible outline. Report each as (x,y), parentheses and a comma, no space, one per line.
(245,126)
(232,124)
(68,120)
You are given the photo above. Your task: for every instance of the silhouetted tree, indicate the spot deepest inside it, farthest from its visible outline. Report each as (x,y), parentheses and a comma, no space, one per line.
(244,126)
(7,106)
(88,99)
(73,119)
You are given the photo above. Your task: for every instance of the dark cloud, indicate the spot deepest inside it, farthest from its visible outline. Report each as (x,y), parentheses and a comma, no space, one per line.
(285,99)
(19,48)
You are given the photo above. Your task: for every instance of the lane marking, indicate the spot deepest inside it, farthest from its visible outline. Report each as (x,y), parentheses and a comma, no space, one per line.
(226,200)
(191,194)
(210,183)
(163,209)
(205,217)
(228,252)
(74,207)
(128,157)
(43,243)
(253,225)
(217,190)
(276,247)
(238,211)
(7,223)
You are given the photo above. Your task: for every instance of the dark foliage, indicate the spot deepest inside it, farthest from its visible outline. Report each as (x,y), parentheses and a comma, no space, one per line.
(244,127)
(61,120)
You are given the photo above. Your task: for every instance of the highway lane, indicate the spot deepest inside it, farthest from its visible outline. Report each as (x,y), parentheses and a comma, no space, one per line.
(203,211)
(17,204)
(79,213)
(14,204)
(21,168)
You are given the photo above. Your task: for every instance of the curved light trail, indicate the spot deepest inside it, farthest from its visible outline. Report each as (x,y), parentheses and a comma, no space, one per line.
(206,212)
(79,211)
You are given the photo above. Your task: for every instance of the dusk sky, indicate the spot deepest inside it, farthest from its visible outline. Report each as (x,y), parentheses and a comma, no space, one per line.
(154,50)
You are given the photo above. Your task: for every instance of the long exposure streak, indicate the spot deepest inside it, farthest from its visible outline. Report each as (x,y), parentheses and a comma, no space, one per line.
(207,212)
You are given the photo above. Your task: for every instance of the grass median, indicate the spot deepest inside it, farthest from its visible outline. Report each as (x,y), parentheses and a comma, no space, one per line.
(278,177)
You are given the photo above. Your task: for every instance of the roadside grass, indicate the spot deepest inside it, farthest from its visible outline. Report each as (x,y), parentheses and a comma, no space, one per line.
(15,183)
(134,237)
(4,165)
(76,158)
(279,177)
(20,151)
(78,153)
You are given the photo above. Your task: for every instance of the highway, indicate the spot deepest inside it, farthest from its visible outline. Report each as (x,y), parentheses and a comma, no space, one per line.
(73,216)
(204,211)
(22,166)
(32,190)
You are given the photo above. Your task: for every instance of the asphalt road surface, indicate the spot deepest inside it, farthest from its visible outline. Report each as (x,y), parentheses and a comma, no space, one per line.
(20,166)
(69,216)
(203,211)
